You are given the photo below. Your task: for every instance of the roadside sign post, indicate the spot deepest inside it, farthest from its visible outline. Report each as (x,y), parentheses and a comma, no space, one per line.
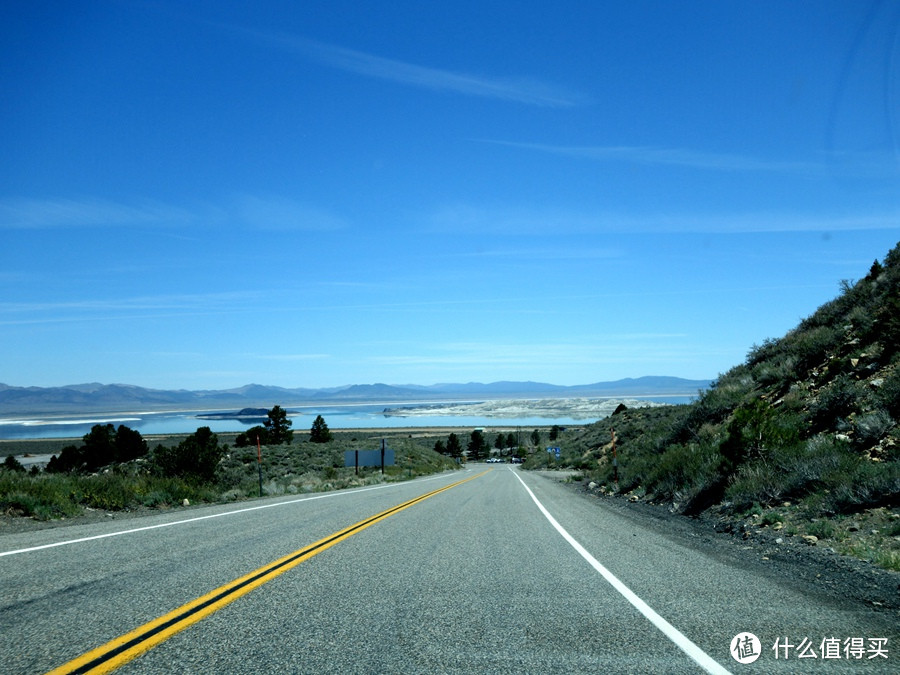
(369,458)
(552,451)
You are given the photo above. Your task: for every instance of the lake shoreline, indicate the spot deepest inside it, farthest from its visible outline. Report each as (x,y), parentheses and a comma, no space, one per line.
(505,413)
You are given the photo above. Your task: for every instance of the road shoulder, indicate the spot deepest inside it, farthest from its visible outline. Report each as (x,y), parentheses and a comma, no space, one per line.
(790,561)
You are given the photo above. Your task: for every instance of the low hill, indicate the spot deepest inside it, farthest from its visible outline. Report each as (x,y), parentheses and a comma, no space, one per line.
(803,434)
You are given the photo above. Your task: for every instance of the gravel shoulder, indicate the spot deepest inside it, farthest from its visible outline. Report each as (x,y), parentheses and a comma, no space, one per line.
(792,562)
(14,524)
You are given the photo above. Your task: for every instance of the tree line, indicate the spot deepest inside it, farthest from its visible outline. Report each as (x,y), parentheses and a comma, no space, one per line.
(479,448)
(276,430)
(197,456)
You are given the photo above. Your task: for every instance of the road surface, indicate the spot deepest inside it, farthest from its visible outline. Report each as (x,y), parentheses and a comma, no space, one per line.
(500,571)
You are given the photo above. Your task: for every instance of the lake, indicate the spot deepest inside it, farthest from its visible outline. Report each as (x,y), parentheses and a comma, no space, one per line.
(337,417)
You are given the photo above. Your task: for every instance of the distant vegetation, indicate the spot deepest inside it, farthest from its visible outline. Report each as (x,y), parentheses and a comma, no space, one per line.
(275,430)
(803,434)
(114,469)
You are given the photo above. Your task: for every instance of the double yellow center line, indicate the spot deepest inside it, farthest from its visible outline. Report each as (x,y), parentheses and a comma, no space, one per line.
(121,650)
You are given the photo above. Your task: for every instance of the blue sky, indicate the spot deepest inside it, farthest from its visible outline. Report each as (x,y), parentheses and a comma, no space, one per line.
(206,194)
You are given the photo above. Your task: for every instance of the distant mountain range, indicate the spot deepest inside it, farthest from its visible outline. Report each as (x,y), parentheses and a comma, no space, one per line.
(95,397)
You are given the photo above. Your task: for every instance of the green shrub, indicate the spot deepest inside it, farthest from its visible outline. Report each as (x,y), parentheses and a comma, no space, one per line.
(778,371)
(821,463)
(862,319)
(43,496)
(868,485)
(771,517)
(887,396)
(755,483)
(823,529)
(109,492)
(717,402)
(888,318)
(810,346)
(872,427)
(768,350)
(12,464)
(836,401)
(251,436)
(756,430)
(683,471)
(196,457)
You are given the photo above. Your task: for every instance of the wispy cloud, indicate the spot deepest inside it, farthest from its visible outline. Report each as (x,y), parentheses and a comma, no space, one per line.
(557,222)
(648,155)
(20,213)
(549,253)
(243,211)
(277,213)
(290,357)
(525,90)
(116,309)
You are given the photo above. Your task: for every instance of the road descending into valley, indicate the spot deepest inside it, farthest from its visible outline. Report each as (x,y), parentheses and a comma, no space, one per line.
(498,570)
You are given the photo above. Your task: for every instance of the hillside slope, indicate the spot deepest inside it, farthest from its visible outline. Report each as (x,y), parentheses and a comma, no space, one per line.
(803,435)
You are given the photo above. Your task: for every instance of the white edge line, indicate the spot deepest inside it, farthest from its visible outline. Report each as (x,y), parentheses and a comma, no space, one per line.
(703,659)
(198,518)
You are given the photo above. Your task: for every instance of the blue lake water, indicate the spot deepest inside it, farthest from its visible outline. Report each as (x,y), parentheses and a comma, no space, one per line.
(336,416)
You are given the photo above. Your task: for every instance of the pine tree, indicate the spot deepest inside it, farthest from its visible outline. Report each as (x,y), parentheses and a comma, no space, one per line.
(476,445)
(454,448)
(319,433)
(278,427)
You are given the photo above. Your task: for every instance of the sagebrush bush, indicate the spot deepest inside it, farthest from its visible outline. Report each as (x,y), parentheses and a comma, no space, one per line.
(810,347)
(755,483)
(778,371)
(867,486)
(872,427)
(887,395)
(682,471)
(109,492)
(42,496)
(835,401)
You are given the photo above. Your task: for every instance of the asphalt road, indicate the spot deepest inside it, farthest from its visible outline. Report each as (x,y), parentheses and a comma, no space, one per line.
(474,578)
